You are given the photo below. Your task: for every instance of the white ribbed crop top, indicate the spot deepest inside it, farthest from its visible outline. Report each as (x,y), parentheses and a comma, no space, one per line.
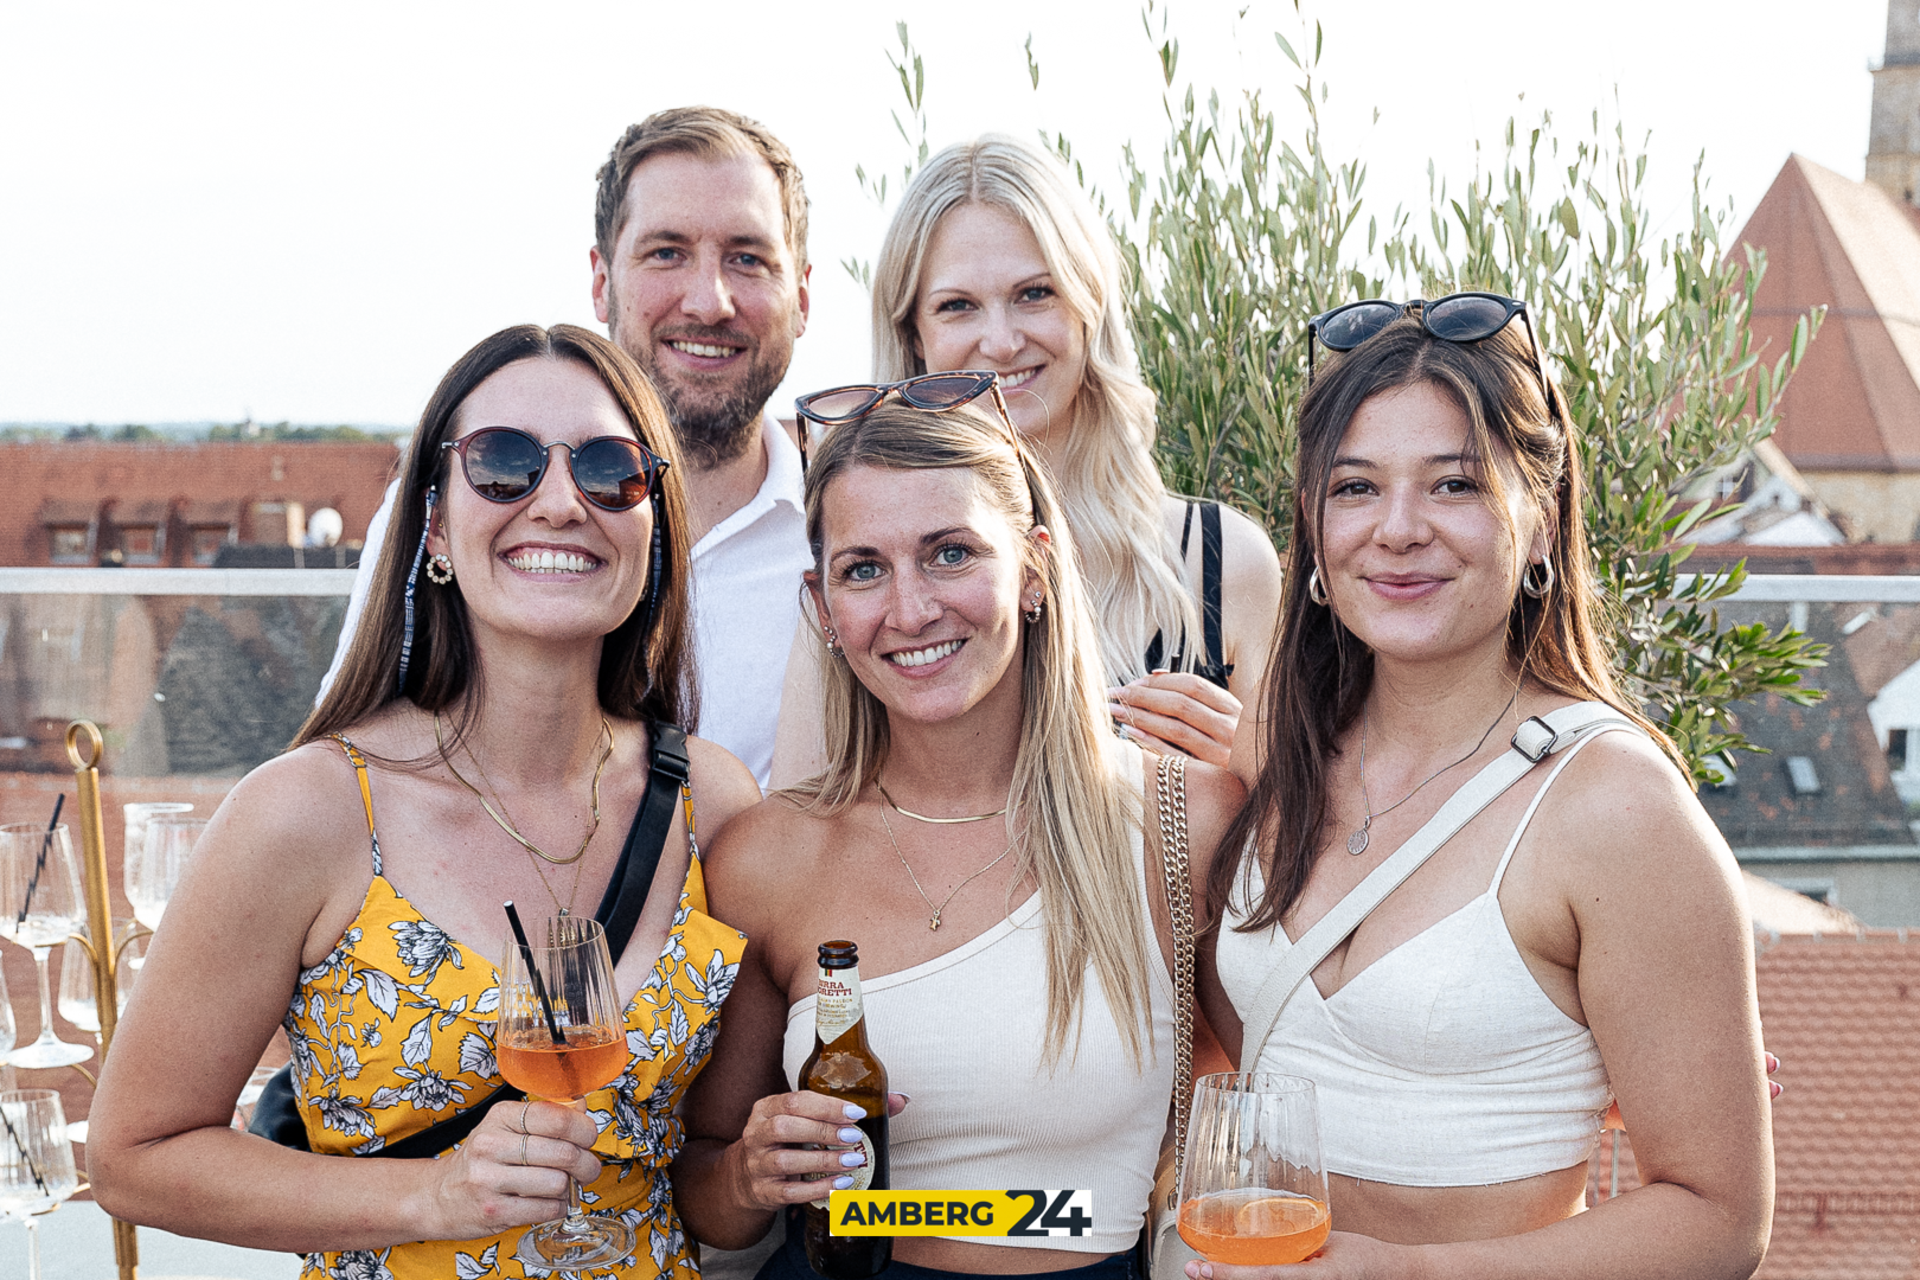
(963,1034)
(1442,1063)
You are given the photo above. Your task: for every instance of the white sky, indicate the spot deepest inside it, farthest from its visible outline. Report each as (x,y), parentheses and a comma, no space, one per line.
(307,211)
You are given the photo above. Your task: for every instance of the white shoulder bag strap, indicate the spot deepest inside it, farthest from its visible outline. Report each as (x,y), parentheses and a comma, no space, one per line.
(1537,738)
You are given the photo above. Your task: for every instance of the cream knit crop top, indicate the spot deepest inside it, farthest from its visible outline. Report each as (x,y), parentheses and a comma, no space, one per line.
(963,1033)
(1442,1063)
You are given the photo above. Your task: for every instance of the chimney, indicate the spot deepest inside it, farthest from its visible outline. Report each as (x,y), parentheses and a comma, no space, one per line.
(1893,145)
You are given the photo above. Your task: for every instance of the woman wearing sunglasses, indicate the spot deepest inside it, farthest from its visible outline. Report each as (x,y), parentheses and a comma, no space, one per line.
(979,833)
(1577,931)
(996,261)
(523,654)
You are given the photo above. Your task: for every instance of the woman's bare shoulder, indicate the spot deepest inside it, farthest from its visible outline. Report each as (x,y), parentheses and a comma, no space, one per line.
(1624,809)
(723,788)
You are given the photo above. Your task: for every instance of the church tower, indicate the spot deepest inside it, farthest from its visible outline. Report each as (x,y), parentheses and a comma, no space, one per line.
(1893,147)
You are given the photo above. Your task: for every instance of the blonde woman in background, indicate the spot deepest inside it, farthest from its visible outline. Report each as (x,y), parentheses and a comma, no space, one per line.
(995,260)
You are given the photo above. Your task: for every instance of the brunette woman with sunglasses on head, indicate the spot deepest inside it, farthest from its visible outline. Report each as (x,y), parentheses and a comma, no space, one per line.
(1577,931)
(985,839)
(490,712)
(996,261)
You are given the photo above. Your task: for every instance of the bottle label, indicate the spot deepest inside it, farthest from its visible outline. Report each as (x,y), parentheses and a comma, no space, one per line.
(862,1177)
(836,1007)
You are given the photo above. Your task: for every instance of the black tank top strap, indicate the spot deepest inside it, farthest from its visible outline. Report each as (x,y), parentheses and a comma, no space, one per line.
(359,763)
(1215,669)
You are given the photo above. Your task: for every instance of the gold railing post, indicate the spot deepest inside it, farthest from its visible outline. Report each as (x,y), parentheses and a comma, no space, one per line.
(106,958)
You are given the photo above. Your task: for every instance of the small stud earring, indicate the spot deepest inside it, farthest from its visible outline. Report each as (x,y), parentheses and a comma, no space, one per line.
(440,570)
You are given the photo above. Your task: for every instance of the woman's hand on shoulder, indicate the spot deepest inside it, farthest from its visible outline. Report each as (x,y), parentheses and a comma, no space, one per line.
(1177,711)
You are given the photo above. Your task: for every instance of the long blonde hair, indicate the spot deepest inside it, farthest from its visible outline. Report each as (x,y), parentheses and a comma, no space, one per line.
(1080,815)
(1108,483)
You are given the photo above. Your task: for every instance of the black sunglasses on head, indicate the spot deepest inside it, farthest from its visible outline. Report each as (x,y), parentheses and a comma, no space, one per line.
(932,392)
(1458,317)
(505,464)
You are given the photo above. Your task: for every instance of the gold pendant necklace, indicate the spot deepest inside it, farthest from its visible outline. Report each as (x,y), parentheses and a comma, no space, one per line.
(934,921)
(593,828)
(921,817)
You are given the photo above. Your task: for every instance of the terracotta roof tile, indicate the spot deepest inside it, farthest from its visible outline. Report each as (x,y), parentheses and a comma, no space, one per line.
(1843,1015)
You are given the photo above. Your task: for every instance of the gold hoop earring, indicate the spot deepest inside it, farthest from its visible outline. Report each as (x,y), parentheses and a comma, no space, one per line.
(1316,592)
(1537,590)
(440,570)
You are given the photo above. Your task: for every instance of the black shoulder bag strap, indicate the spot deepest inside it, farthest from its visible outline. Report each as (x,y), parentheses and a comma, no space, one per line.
(1216,650)
(277,1118)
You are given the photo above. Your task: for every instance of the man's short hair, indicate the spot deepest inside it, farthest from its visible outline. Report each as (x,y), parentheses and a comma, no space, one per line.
(709,133)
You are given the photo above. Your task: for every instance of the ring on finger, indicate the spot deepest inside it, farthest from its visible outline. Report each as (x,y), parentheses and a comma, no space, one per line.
(523,1150)
(528,1106)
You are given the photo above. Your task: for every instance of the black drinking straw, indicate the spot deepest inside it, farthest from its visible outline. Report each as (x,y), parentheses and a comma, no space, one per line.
(40,864)
(26,1155)
(533,972)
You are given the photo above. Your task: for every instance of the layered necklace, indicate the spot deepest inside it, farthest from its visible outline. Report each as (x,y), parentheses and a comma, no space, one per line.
(506,824)
(933,921)
(1357,842)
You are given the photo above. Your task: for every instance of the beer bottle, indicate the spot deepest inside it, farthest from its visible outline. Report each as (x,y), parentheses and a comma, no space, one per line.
(842,1065)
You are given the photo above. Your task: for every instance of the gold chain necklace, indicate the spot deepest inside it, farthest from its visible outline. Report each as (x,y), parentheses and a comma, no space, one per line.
(934,921)
(593,829)
(921,817)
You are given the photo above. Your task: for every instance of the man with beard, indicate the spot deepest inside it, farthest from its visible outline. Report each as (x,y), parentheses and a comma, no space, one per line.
(700,274)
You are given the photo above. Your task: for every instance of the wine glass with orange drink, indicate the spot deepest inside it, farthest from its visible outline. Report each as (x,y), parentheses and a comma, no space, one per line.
(1253,1187)
(561,1035)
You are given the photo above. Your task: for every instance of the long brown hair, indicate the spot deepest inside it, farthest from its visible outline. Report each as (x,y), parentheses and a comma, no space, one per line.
(1079,815)
(646,671)
(1320,673)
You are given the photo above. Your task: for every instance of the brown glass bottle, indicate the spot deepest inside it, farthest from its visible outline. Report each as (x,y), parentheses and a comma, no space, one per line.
(842,1065)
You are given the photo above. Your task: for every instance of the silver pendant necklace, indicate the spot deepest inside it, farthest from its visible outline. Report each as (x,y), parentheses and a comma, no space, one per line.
(1357,842)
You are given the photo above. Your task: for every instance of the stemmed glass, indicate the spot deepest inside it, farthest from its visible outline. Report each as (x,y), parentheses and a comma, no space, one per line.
(164,849)
(135,835)
(41,906)
(36,1161)
(560,1036)
(1253,1188)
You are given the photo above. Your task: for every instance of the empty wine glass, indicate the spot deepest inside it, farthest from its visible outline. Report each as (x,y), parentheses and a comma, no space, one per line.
(137,817)
(41,906)
(560,1036)
(76,981)
(36,1161)
(164,851)
(1253,1189)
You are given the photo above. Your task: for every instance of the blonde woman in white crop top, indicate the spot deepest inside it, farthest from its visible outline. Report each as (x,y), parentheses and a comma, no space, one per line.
(1015,966)
(1583,938)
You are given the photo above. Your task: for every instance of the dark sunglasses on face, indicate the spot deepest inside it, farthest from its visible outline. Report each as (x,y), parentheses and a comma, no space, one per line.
(932,392)
(505,464)
(1458,317)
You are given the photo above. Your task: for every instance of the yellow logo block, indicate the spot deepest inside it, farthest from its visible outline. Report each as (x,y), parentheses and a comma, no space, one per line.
(960,1213)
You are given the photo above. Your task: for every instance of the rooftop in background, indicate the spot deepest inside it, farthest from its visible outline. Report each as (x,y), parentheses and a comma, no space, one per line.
(1849,246)
(180,431)
(157,502)
(1842,1012)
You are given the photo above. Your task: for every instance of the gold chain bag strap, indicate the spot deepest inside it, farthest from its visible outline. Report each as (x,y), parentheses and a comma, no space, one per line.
(1167,1253)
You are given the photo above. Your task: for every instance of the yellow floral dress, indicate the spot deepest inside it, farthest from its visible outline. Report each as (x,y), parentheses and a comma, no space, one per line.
(393,1032)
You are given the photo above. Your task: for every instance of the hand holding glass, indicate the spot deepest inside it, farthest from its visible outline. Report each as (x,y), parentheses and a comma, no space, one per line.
(560,1036)
(1253,1188)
